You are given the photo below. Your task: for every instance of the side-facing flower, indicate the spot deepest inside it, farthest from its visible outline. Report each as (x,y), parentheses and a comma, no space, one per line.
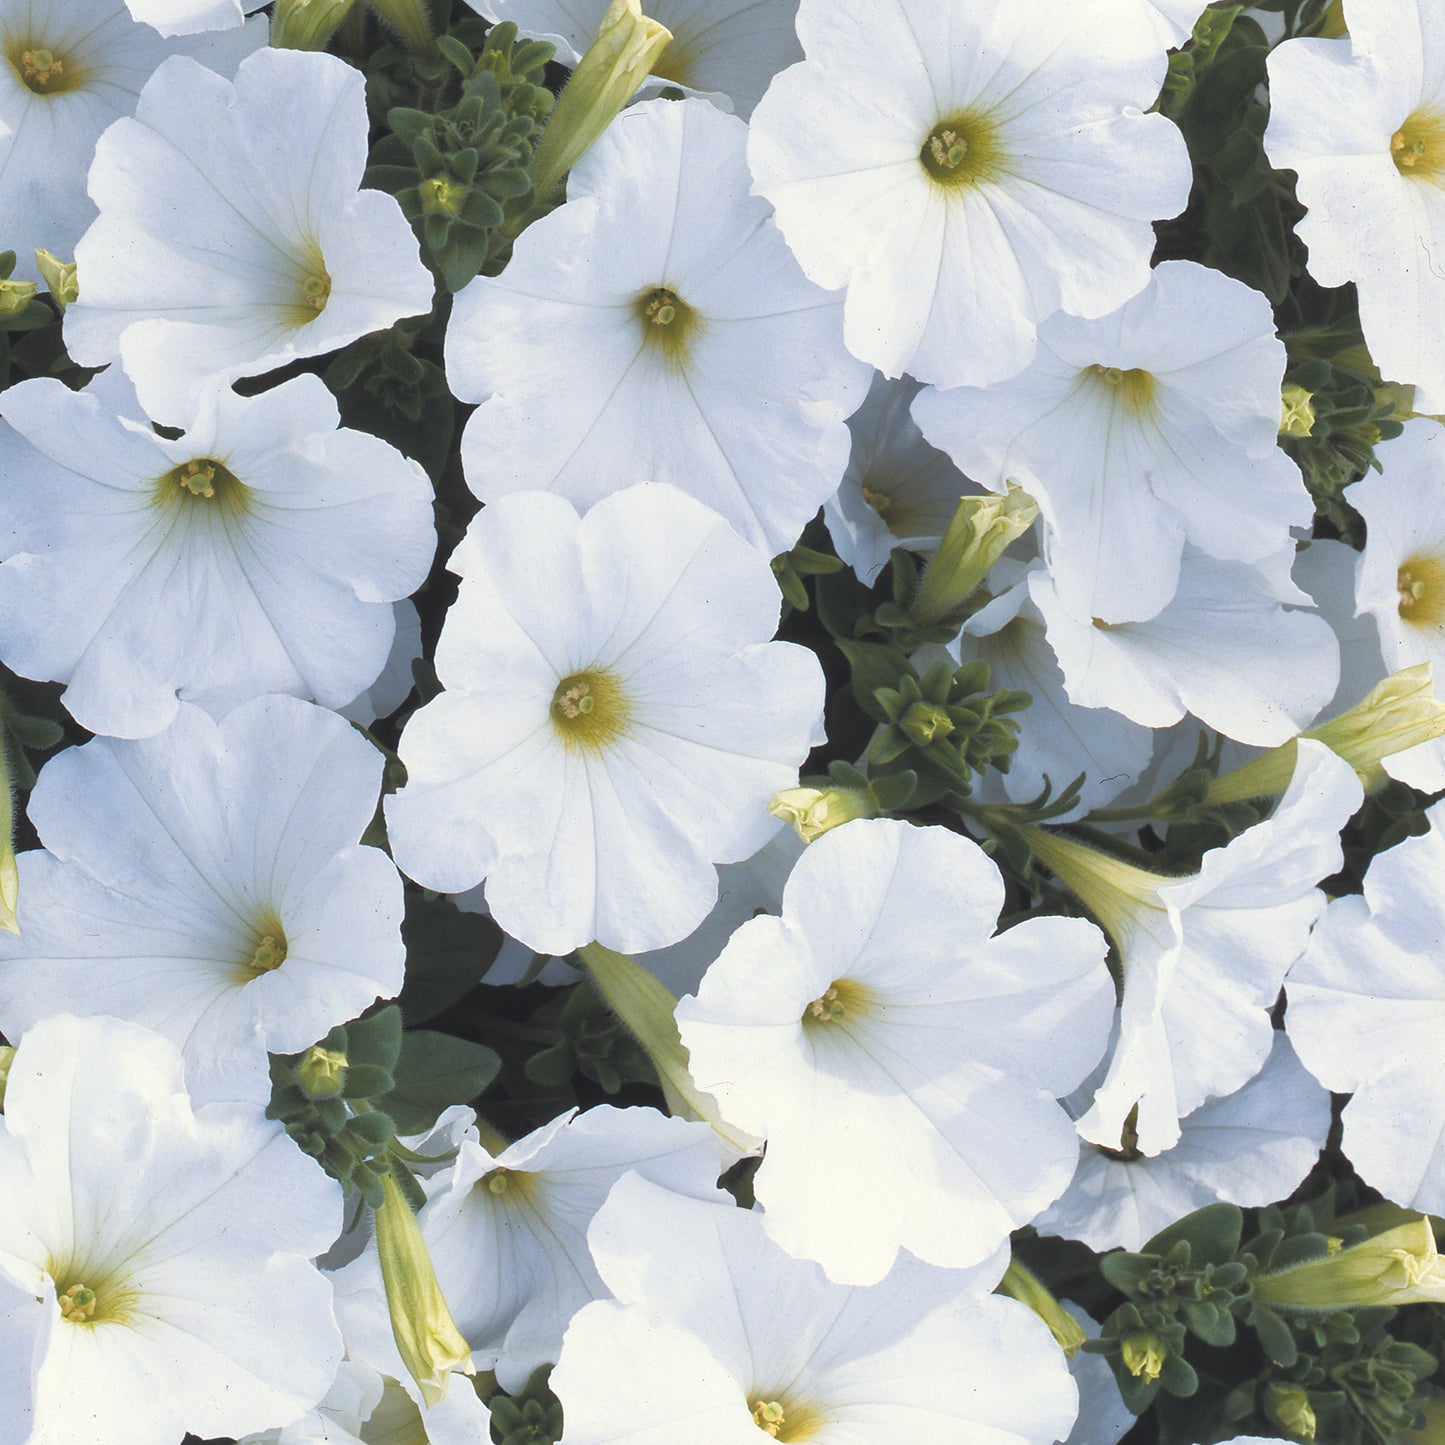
(258,552)
(656,327)
(1204,956)
(902,1064)
(68,68)
(208,884)
(614,724)
(1001,169)
(1366,1007)
(155,1261)
(233,235)
(187,17)
(716,1337)
(1361,121)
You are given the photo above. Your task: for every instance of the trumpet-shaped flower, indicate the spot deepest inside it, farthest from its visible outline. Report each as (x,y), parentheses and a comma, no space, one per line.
(1000,169)
(1250,1147)
(187,17)
(1224,649)
(902,1064)
(233,235)
(898,490)
(506,1227)
(724,50)
(1366,1004)
(1361,121)
(614,724)
(1150,428)
(68,68)
(259,552)
(155,1261)
(1203,956)
(208,884)
(655,327)
(716,1337)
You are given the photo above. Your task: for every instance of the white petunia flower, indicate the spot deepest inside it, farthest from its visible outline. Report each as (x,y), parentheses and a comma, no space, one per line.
(506,1227)
(1250,1148)
(1138,433)
(716,1337)
(615,720)
(157,1261)
(187,17)
(967,169)
(656,327)
(208,884)
(259,552)
(1366,1005)
(898,490)
(1204,956)
(394,684)
(1223,649)
(1361,121)
(233,235)
(724,50)
(68,68)
(902,1064)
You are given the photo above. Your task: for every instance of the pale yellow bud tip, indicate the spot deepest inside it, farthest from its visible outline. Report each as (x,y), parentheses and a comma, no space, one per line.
(811,812)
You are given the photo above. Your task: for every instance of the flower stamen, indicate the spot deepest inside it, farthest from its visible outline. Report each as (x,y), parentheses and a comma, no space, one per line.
(77,1304)
(590,710)
(1420,583)
(1418,147)
(768,1417)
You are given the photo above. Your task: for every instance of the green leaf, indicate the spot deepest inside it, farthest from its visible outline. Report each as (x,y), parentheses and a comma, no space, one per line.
(436,1070)
(874,665)
(448,952)
(1213,1234)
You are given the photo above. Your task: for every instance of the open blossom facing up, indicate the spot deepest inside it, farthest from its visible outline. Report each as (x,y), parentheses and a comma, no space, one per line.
(725,50)
(716,1337)
(155,1260)
(656,328)
(966,169)
(233,237)
(68,68)
(1361,121)
(1138,433)
(887,1046)
(259,552)
(208,884)
(614,724)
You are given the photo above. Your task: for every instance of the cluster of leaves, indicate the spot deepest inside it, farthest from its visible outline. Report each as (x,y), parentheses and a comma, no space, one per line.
(345,1099)
(1191,1335)
(462,174)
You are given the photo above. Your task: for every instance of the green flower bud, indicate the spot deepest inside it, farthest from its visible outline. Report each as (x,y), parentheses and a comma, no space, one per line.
(1021,1284)
(322,1072)
(1399,1267)
(410,21)
(59,277)
(811,812)
(924,723)
(426,1335)
(981,528)
(307,24)
(15,296)
(7,1057)
(606,78)
(1289,1407)
(1144,1354)
(1297,415)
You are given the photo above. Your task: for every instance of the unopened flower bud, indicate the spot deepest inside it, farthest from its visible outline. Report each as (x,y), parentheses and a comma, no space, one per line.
(925,723)
(976,537)
(1021,1284)
(410,20)
(59,277)
(1289,1407)
(15,296)
(322,1072)
(1396,714)
(426,1335)
(1399,1267)
(307,24)
(616,63)
(442,196)
(1144,1354)
(811,812)
(1297,415)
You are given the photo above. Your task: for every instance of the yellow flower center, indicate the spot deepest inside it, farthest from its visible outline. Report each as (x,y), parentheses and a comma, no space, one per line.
(1418,147)
(786,1419)
(669,324)
(77,1304)
(265,951)
(442,196)
(676,62)
(768,1417)
(202,480)
(842,1001)
(961,150)
(515,1186)
(591,710)
(879,501)
(1133,388)
(1421,584)
(41,70)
